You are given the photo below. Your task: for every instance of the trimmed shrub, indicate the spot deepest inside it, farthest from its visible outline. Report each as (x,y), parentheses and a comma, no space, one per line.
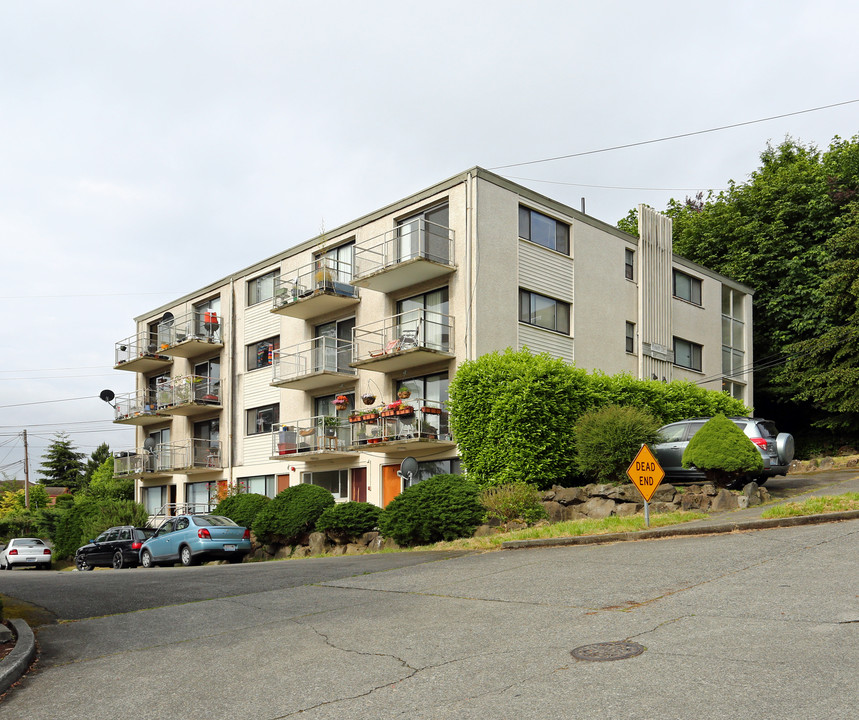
(607,440)
(349,519)
(242,509)
(443,507)
(516,502)
(723,451)
(292,513)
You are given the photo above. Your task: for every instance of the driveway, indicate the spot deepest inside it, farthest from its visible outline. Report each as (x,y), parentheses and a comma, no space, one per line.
(751,625)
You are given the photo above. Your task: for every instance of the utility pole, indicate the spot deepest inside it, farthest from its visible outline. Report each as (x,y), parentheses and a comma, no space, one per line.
(26,473)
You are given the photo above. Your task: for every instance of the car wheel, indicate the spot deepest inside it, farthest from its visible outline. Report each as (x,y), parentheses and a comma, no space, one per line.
(146,559)
(118,560)
(82,564)
(3,566)
(186,557)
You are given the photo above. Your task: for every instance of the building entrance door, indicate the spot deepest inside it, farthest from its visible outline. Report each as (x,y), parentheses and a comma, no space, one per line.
(392,484)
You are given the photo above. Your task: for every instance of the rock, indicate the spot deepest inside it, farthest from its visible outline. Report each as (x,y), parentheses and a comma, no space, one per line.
(568,496)
(624,493)
(484,531)
(549,494)
(5,634)
(376,544)
(664,493)
(389,544)
(554,510)
(742,501)
(724,500)
(694,501)
(709,488)
(283,552)
(627,509)
(355,549)
(852,462)
(826,463)
(368,537)
(318,543)
(574,513)
(662,507)
(598,508)
(512,526)
(846,450)
(301,551)
(750,493)
(259,554)
(764,495)
(338,550)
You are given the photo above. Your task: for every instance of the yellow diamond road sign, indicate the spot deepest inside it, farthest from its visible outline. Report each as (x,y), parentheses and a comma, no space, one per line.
(645,473)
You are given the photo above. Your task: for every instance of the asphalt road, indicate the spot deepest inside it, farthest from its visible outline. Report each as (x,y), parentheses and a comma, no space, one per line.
(747,625)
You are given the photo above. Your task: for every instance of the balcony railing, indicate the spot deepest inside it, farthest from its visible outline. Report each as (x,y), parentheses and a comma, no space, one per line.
(313,364)
(321,287)
(188,395)
(403,341)
(411,253)
(401,426)
(190,335)
(137,408)
(140,353)
(309,437)
(192,455)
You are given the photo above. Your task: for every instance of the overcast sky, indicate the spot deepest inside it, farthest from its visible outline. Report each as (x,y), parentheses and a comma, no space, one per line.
(149,148)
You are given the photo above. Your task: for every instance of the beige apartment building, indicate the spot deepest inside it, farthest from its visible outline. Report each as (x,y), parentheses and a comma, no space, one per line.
(329,362)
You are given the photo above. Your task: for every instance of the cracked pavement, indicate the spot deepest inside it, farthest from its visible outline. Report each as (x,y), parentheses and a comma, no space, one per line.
(753,625)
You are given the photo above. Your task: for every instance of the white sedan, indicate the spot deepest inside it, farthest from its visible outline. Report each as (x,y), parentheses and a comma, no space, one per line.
(25,551)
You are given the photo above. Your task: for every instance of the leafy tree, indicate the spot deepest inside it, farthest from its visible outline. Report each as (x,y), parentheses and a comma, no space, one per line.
(96,460)
(105,486)
(775,232)
(13,502)
(62,464)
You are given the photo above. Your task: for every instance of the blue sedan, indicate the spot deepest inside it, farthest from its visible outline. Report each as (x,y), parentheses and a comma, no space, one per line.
(191,538)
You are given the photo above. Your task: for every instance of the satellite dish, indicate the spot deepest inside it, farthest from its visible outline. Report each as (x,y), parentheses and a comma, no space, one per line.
(408,468)
(149,444)
(167,319)
(107,396)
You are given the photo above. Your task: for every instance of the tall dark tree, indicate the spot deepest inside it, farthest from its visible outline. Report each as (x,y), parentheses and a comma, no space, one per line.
(775,232)
(96,460)
(62,464)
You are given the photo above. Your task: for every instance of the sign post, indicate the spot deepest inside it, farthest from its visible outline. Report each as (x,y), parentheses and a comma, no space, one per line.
(646,474)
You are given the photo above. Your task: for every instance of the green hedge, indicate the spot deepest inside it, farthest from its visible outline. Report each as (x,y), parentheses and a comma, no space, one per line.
(608,439)
(292,513)
(88,517)
(349,519)
(242,508)
(443,507)
(513,413)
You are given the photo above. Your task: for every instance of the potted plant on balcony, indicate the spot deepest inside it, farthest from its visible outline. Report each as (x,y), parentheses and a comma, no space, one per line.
(370,415)
(355,416)
(341,402)
(330,425)
(404,393)
(391,409)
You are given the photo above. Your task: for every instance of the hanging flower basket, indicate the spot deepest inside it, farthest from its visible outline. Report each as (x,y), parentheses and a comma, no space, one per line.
(368,398)
(341,402)
(403,393)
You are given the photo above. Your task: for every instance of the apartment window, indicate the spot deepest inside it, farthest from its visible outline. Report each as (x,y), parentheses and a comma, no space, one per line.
(687,287)
(261,354)
(338,261)
(261,288)
(207,322)
(629,264)
(430,468)
(733,344)
(202,496)
(258,484)
(154,499)
(687,354)
(334,481)
(427,316)
(543,230)
(544,312)
(262,419)
(630,337)
(425,235)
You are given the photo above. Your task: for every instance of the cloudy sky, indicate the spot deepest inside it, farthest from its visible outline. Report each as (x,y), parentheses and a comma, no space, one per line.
(149,148)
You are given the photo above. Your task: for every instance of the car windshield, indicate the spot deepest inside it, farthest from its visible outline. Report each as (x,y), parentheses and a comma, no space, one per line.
(145,532)
(27,542)
(212,520)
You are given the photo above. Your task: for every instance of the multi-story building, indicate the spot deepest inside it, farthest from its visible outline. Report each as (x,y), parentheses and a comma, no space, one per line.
(284,372)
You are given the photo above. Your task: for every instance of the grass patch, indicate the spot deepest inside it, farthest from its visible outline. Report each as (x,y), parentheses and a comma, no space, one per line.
(569,528)
(815,506)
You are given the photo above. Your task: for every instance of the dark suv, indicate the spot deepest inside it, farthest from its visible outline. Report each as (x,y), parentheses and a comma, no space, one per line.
(116,547)
(776,448)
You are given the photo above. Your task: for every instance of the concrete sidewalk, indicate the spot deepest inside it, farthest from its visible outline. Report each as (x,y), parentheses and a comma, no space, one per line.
(836,482)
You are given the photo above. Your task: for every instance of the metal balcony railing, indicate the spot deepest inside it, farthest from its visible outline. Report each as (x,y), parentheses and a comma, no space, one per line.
(409,331)
(194,454)
(204,326)
(410,419)
(140,462)
(140,347)
(319,355)
(322,433)
(325,275)
(419,239)
(135,405)
(188,390)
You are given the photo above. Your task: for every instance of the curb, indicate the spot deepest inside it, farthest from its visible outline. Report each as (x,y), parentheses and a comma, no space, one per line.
(684,530)
(15,664)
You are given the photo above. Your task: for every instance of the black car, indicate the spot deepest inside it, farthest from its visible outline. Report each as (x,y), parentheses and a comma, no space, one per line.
(117,547)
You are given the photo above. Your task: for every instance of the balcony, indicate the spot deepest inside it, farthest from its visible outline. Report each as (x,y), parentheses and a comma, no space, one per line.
(322,287)
(190,335)
(190,457)
(140,353)
(313,365)
(312,439)
(413,253)
(137,408)
(414,427)
(403,342)
(189,395)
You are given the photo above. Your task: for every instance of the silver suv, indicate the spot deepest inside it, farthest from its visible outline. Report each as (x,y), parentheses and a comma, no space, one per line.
(776,448)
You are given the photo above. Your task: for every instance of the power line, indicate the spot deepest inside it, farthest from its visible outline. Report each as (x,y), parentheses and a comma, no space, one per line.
(607,187)
(45,402)
(675,137)
(82,295)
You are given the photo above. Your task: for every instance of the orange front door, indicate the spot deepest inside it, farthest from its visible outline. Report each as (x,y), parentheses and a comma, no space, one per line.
(392,484)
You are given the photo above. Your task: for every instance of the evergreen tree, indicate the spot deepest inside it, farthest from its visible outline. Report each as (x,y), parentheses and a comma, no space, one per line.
(96,460)
(62,464)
